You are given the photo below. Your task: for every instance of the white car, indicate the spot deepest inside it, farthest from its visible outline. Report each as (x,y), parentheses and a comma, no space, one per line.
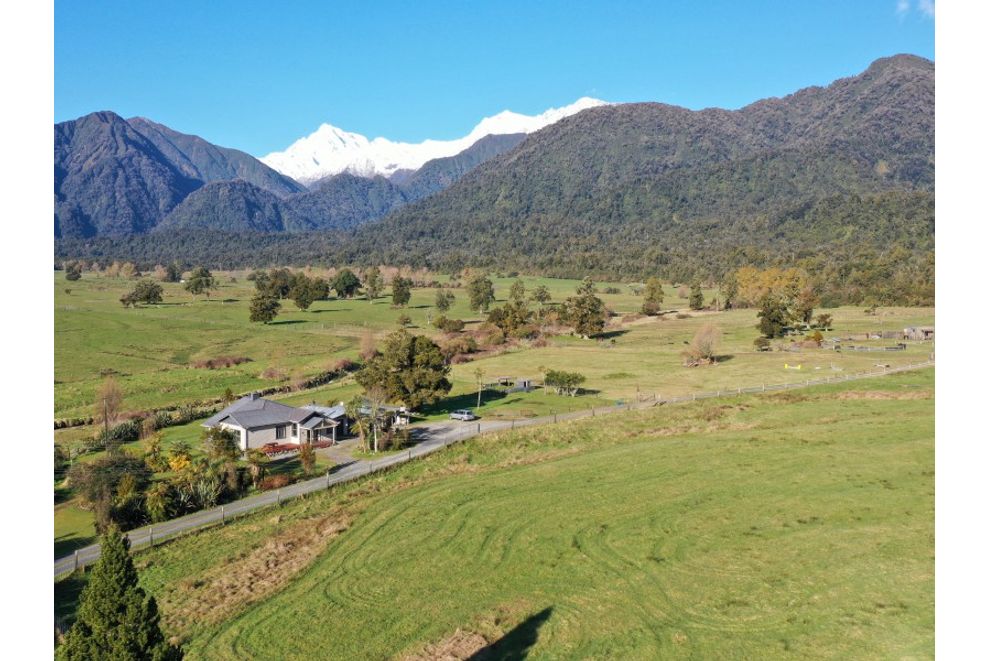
(463,414)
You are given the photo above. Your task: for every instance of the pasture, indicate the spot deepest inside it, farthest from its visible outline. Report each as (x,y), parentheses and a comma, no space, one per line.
(766,526)
(151,350)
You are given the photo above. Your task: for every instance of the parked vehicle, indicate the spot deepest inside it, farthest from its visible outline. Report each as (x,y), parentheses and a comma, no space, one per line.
(463,414)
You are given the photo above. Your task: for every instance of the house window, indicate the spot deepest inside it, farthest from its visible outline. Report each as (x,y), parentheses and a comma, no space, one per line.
(295,430)
(279,432)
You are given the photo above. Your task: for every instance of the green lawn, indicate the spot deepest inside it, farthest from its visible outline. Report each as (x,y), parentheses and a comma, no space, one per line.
(790,524)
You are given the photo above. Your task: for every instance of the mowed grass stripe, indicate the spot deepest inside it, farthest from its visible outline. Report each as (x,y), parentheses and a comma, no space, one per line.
(776,527)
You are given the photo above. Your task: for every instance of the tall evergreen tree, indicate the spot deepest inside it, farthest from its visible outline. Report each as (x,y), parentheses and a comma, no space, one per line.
(264,307)
(697,299)
(586,312)
(410,369)
(481,293)
(116,619)
(517,292)
(401,290)
(346,283)
(443,300)
(303,292)
(200,281)
(373,284)
(173,272)
(774,317)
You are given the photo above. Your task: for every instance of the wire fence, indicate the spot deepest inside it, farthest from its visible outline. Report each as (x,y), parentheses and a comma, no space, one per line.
(149,536)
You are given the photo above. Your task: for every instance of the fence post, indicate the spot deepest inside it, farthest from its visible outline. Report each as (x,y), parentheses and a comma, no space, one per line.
(328,478)
(75,560)
(151,536)
(223,522)
(479,427)
(278,497)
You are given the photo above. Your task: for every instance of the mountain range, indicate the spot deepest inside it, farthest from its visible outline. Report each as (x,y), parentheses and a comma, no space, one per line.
(330,150)
(827,173)
(643,181)
(116,177)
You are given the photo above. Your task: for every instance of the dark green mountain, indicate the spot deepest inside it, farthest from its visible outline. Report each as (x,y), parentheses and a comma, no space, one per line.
(836,179)
(115,177)
(440,173)
(111,180)
(228,206)
(199,159)
(342,201)
(629,187)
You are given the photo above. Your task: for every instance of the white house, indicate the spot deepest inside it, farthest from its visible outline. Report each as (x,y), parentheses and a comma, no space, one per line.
(258,421)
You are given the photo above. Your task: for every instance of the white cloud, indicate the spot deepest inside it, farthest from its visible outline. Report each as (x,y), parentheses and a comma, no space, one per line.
(903,7)
(926,7)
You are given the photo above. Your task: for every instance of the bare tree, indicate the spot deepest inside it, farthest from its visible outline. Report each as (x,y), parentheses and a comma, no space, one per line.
(368,349)
(107,405)
(703,346)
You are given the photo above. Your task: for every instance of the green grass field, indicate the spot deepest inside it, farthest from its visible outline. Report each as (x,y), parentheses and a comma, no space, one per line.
(150,351)
(791,524)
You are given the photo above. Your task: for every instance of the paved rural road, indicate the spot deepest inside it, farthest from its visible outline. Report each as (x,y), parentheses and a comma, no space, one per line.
(426,439)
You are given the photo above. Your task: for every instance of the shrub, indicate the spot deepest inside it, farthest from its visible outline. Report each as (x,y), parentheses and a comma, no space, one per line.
(612,290)
(525,332)
(274,373)
(650,308)
(220,362)
(761,344)
(495,337)
(343,366)
(458,345)
(448,325)
(125,432)
(274,482)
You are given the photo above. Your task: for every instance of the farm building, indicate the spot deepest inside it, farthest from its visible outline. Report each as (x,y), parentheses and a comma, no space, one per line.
(511,384)
(919,333)
(258,421)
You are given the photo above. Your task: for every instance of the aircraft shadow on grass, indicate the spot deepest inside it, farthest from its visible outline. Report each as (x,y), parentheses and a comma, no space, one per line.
(515,645)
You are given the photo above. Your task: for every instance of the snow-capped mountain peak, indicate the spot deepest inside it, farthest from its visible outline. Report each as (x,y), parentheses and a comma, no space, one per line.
(330,150)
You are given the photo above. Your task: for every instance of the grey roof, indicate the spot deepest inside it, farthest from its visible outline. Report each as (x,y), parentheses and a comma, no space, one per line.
(327,411)
(318,421)
(250,412)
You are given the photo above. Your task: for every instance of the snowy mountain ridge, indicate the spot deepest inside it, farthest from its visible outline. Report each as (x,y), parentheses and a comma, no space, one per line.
(331,150)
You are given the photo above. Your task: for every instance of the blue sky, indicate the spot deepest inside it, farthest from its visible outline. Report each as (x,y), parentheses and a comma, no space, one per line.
(256,76)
